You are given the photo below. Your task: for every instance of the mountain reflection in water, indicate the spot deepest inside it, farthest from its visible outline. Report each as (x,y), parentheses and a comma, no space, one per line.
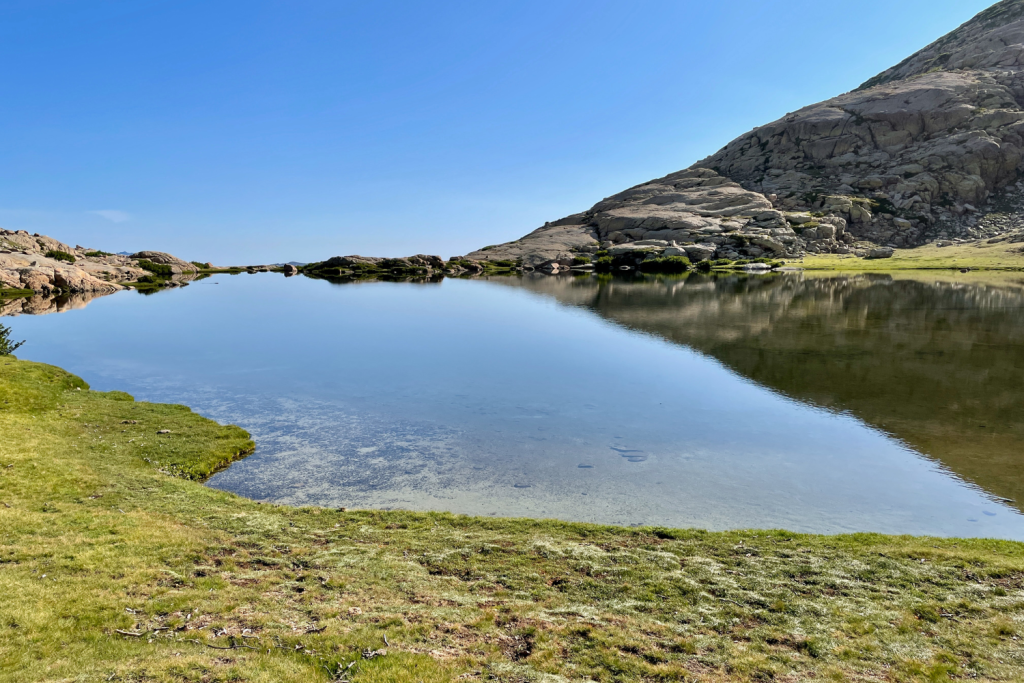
(717,402)
(934,360)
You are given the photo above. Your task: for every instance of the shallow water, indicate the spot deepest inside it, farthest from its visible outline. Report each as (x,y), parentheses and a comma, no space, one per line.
(824,404)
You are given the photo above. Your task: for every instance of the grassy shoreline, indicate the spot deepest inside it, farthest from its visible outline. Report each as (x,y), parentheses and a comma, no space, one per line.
(116,564)
(974,256)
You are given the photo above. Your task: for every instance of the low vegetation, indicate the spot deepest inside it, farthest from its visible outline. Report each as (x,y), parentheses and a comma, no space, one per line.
(160,270)
(666,264)
(117,565)
(500,267)
(11,293)
(57,255)
(7,347)
(97,253)
(996,254)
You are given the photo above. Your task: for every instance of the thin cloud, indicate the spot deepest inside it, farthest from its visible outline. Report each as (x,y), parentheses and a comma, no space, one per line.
(113,215)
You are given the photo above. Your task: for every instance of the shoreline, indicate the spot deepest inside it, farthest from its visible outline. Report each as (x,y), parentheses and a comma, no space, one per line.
(148,570)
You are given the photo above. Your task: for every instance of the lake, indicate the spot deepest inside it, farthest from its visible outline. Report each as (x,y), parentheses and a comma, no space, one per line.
(817,403)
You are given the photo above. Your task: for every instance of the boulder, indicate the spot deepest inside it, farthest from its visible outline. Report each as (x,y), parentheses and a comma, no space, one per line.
(176,265)
(700,252)
(880,252)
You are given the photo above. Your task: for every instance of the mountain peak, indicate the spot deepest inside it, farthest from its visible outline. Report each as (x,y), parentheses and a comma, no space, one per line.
(930,150)
(993,38)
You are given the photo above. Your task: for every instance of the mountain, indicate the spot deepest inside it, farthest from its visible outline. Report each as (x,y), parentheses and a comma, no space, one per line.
(928,150)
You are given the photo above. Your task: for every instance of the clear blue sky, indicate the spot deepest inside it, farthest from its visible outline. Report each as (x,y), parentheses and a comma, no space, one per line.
(251,132)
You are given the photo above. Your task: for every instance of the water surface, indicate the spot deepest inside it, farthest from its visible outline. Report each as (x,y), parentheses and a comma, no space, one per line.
(824,404)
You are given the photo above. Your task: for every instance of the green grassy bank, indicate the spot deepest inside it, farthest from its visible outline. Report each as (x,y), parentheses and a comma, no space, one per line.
(982,255)
(116,564)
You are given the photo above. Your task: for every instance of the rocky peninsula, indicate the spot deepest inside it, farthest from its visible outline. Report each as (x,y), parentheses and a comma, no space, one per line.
(44,265)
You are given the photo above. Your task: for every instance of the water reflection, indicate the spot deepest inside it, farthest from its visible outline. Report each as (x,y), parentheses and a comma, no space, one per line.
(935,360)
(41,304)
(716,403)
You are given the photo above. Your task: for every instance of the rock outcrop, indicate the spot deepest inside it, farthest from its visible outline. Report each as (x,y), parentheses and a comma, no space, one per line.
(372,266)
(931,149)
(177,266)
(418,267)
(48,266)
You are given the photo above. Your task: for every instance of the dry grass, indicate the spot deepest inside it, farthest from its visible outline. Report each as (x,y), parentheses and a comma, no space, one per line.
(981,255)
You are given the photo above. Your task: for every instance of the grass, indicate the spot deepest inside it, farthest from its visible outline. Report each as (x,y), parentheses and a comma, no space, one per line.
(147,284)
(117,565)
(976,256)
(59,256)
(9,293)
(666,264)
(160,270)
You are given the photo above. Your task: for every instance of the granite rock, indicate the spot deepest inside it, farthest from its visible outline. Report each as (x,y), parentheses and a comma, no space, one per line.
(24,264)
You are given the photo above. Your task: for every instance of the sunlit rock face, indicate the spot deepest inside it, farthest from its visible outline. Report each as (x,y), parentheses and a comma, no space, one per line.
(930,149)
(50,267)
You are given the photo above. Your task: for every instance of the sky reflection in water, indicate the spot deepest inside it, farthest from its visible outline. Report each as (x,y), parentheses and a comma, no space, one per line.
(497,398)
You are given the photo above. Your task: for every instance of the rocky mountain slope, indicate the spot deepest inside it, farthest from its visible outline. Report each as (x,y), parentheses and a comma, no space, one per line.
(930,150)
(47,266)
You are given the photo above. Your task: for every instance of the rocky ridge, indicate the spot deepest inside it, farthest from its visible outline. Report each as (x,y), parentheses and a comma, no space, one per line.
(47,266)
(418,267)
(928,151)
